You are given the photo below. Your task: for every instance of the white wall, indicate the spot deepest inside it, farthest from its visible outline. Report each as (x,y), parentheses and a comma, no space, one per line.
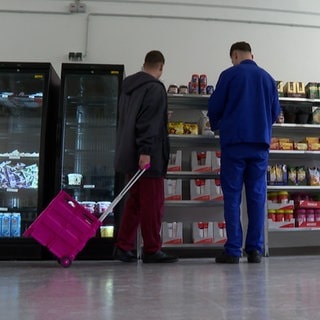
(194,38)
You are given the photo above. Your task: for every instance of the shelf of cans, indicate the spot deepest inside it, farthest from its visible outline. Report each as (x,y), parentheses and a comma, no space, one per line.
(197,85)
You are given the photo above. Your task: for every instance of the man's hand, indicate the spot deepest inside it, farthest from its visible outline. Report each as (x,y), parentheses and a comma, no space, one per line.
(144,161)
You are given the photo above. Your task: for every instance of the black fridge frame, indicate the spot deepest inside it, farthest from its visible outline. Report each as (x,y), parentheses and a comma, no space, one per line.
(27,248)
(96,248)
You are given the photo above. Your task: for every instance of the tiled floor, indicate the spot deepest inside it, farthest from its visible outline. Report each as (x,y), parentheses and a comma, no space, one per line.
(191,289)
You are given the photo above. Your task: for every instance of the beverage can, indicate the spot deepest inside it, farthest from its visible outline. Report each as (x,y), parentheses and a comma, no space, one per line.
(203,84)
(209,89)
(194,85)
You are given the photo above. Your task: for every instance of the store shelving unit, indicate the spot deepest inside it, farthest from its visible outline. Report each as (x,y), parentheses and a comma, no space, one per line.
(187,108)
(278,241)
(294,240)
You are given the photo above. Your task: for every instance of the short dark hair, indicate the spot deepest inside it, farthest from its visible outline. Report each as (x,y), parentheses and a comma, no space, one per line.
(153,58)
(242,46)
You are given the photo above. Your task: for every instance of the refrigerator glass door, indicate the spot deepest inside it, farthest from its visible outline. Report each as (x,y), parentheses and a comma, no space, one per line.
(21,105)
(90,108)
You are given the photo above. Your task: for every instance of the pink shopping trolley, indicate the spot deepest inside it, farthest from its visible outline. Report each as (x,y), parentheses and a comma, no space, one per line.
(65,226)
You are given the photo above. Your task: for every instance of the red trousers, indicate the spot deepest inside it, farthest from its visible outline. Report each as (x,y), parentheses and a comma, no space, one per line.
(144,207)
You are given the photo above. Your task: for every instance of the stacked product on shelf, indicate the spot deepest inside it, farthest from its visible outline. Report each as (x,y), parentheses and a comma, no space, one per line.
(172,232)
(197,85)
(205,189)
(173,187)
(10,224)
(301,211)
(209,232)
(294,89)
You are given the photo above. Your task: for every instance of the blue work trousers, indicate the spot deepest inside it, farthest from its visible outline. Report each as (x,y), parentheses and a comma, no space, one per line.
(244,164)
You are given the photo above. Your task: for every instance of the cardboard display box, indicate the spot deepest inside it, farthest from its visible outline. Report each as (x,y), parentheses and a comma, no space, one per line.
(202,232)
(172,189)
(200,189)
(201,161)
(219,232)
(175,161)
(172,233)
(281,224)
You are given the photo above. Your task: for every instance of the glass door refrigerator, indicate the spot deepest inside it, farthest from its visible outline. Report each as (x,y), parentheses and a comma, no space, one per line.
(88,117)
(29,100)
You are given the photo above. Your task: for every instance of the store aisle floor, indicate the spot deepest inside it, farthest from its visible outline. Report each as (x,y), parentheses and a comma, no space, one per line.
(192,289)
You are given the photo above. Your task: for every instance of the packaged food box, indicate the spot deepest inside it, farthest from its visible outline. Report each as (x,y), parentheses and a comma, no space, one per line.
(301,91)
(312,139)
(202,232)
(172,232)
(290,89)
(286,145)
(274,144)
(307,204)
(294,89)
(201,161)
(312,90)
(200,189)
(216,161)
(280,85)
(172,189)
(190,128)
(175,159)
(216,190)
(175,127)
(280,206)
(219,232)
(300,146)
(280,224)
(314,146)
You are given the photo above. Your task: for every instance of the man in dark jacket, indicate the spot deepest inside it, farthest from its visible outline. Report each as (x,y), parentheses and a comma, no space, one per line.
(142,140)
(243,107)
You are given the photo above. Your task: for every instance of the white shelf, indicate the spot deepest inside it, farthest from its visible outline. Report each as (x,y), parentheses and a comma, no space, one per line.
(295,152)
(296,125)
(293,99)
(191,175)
(294,229)
(310,188)
(193,203)
(193,246)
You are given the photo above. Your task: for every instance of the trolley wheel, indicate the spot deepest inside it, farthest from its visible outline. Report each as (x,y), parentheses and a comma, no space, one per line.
(65,262)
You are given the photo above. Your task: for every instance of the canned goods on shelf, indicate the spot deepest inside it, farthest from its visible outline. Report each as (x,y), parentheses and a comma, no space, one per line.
(280,215)
(272,214)
(283,196)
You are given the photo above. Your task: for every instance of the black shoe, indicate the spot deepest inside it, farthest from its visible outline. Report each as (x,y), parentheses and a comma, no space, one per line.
(254,256)
(158,257)
(125,256)
(226,258)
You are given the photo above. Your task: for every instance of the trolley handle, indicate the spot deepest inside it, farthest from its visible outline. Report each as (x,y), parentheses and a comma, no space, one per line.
(132,181)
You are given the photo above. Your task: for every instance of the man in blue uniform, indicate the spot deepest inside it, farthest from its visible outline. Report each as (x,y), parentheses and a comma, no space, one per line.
(243,108)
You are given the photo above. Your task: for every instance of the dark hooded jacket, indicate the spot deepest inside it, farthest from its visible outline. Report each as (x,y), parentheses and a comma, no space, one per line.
(142,125)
